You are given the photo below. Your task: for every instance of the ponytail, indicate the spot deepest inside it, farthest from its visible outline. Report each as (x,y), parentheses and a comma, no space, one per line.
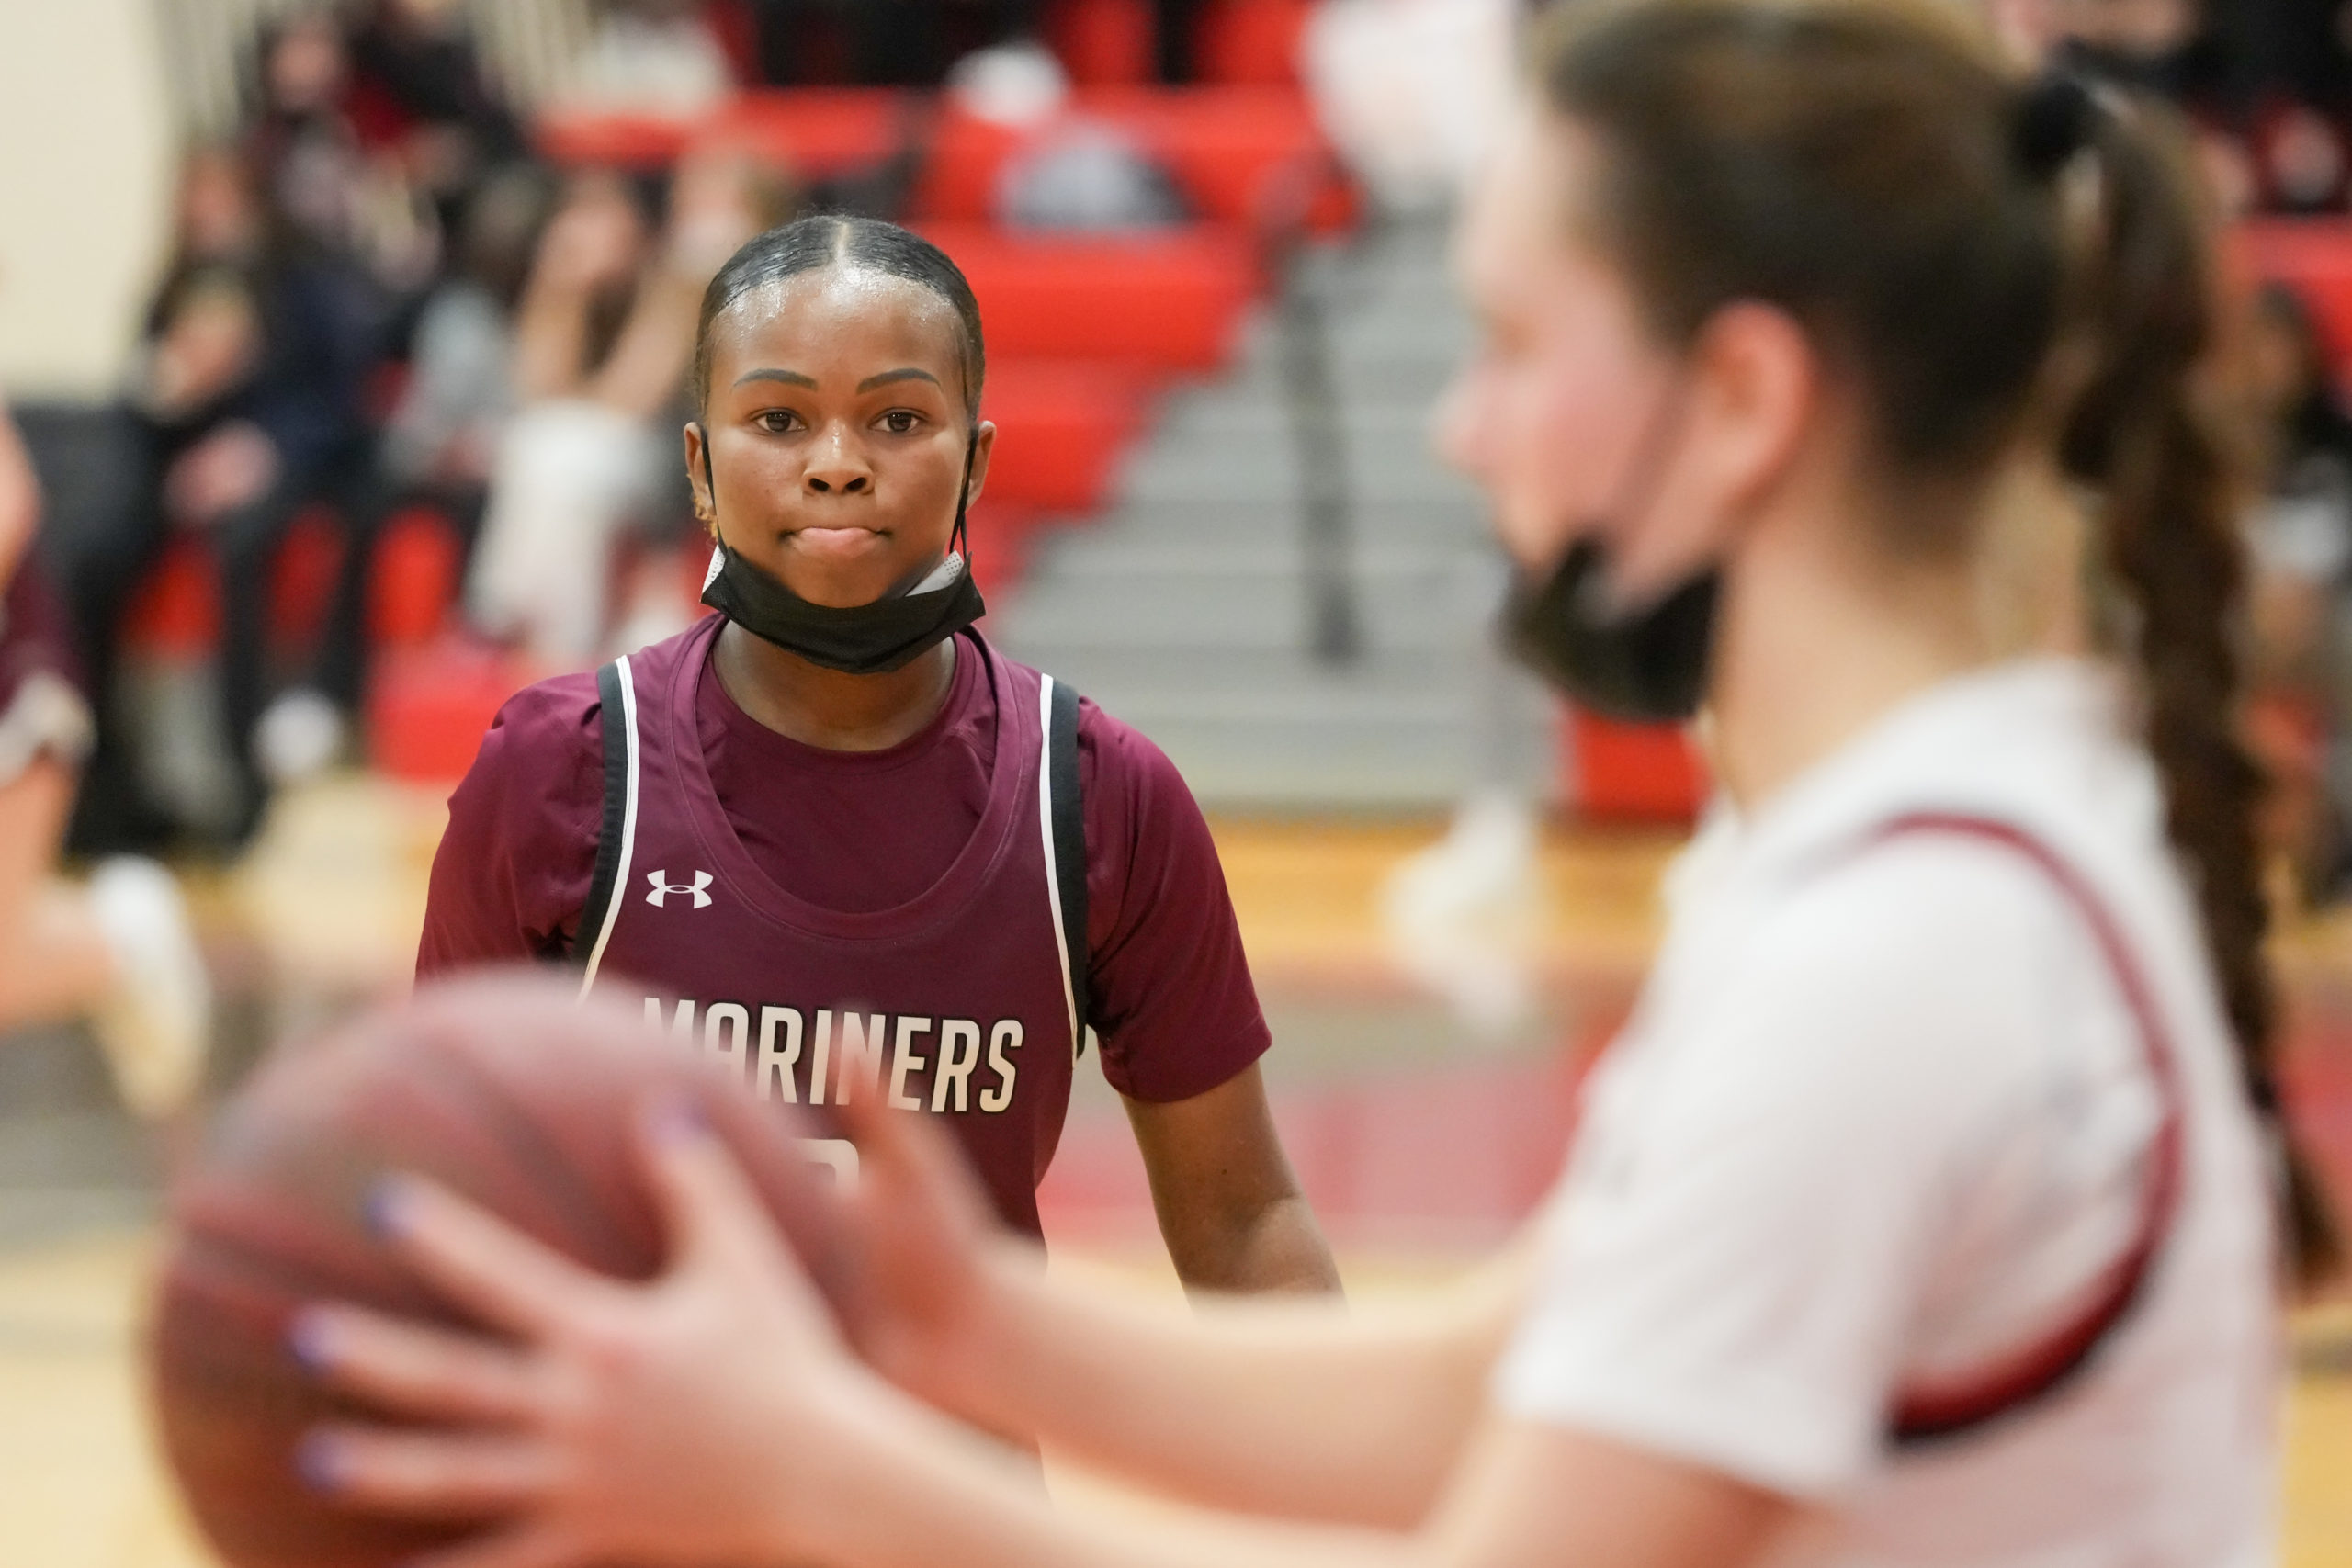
(2144,435)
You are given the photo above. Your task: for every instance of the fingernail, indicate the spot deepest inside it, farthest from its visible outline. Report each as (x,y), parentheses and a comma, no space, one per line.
(319,1461)
(311,1337)
(678,1121)
(386,1208)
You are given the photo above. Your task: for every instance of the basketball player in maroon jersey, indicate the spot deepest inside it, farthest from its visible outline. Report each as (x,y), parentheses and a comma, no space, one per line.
(832,835)
(116,949)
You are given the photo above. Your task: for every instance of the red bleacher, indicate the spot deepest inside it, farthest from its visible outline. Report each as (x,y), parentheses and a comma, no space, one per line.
(1061,426)
(1164,302)
(1083,330)
(2313,257)
(176,612)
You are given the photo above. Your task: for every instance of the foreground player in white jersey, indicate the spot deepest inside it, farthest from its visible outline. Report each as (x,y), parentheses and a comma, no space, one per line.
(1928,1212)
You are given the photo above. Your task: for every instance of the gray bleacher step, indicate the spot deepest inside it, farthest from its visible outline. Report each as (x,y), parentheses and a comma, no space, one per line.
(1214,521)
(1124,669)
(1201,470)
(1138,554)
(1251,413)
(1184,610)
(1399,767)
(1413,610)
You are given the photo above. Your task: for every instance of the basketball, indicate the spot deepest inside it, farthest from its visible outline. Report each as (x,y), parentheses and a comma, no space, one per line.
(499,1088)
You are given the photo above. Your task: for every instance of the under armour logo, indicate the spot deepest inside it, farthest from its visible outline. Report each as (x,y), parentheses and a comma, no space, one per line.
(663,887)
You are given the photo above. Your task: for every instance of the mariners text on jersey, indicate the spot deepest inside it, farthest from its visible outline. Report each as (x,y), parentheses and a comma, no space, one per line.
(948,1066)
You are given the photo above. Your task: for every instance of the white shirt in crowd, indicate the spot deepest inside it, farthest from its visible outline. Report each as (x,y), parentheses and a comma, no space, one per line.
(1883,1114)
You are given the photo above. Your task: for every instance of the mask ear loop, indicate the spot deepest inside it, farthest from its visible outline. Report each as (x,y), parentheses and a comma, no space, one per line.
(710,484)
(958,540)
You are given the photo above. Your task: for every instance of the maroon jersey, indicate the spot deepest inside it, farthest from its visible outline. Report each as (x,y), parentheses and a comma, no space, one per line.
(879,922)
(42,709)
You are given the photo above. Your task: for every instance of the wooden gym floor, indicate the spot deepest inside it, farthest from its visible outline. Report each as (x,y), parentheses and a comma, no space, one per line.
(1422,1139)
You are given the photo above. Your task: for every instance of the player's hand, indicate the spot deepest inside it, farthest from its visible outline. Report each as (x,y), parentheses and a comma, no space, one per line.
(20,499)
(928,1251)
(644,1423)
(229,470)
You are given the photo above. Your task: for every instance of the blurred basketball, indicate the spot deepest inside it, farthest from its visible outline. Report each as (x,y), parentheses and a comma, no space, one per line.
(502,1088)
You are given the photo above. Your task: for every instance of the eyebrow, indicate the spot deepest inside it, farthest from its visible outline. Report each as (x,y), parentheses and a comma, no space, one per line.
(792,377)
(909,374)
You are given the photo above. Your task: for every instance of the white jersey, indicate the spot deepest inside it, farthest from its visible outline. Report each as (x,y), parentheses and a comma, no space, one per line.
(1884,1116)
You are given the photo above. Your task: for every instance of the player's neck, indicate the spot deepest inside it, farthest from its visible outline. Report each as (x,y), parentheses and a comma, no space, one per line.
(1818,640)
(823,708)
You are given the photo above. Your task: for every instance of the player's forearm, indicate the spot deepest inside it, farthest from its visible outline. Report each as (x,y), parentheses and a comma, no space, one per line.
(903,1488)
(550,341)
(19,498)
(642,374)
(1291,1407)
(1278,1249)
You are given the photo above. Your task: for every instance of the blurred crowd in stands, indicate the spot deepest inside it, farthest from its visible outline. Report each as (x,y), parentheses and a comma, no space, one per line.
(379,296)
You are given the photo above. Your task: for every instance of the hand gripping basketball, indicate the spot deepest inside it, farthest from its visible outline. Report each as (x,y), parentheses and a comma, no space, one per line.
(524,1115)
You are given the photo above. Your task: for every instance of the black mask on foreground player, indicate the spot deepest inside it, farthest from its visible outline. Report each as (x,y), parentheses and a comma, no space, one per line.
(1646,661)
(857,639)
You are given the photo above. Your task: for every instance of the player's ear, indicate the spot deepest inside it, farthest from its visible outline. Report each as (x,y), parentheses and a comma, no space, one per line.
(698,475)
(1756,391)
(983,444)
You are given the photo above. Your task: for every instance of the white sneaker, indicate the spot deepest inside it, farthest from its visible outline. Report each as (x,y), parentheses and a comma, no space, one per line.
(1462,916)
(155,1024)
(299,735)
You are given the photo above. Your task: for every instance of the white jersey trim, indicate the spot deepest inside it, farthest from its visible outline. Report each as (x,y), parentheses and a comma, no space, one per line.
(1045,836)
(628,828)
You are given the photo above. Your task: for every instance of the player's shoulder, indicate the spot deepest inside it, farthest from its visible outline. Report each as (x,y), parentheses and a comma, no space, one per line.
(1931,967)
(553,721)
(1117,756)
(557,714)
(536,784)
(1105,740)
(1945,910)
(546,745)
(1122,770)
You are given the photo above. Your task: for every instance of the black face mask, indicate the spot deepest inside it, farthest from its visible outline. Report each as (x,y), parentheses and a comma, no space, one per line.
(1642,663)
(858,639)
(1647,664)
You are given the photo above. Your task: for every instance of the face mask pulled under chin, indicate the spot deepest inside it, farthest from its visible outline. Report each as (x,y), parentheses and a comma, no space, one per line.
(860,639)
(1643,664)
(857,639)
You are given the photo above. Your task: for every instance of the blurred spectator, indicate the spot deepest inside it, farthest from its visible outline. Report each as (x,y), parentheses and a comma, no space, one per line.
(650,57)
(2268,85)
(246,405)
(2159,46)
(317,177)
(437,448)
(461,390)
(2299,160)
(603,337)
(419,91)
(1175,25)
(882,42)
(1412,92)
(2300,539)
